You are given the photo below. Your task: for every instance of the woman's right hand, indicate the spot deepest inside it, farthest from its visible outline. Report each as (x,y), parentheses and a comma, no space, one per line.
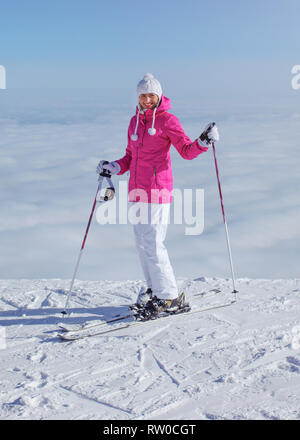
(112,167)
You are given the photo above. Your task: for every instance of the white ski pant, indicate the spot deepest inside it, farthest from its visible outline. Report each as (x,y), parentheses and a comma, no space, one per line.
(149,237)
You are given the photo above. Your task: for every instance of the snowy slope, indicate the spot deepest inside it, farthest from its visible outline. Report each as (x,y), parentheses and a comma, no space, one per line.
(241,362)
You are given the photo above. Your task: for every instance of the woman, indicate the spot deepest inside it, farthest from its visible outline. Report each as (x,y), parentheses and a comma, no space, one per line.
(151,133)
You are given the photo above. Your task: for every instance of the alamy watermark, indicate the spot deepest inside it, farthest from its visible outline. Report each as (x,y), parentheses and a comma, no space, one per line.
(296,78)
(187,208)
(2,77)
(2,338)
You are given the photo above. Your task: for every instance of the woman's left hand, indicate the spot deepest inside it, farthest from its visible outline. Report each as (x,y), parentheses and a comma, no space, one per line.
(210,134)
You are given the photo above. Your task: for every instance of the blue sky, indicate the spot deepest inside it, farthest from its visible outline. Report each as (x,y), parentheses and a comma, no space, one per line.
(109,44)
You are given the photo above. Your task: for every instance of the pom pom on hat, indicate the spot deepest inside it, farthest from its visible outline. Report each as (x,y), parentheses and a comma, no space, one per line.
(148,76)
(149,84)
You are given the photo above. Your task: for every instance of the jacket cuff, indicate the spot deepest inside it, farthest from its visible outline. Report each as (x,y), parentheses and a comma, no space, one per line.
(120,172)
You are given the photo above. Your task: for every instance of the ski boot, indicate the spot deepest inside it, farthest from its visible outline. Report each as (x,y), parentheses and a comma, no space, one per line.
(143,297)
(156,307)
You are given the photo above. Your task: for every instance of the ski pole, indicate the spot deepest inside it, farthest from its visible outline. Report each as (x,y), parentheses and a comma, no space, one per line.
(224,220)
(109,194)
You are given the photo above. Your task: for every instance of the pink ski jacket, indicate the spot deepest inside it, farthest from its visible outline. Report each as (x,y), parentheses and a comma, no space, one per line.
(148,155)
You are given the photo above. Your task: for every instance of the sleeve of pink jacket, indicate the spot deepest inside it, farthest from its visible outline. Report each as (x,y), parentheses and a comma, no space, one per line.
(183,144)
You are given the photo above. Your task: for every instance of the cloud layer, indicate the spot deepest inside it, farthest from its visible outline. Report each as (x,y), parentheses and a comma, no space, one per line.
(49,150)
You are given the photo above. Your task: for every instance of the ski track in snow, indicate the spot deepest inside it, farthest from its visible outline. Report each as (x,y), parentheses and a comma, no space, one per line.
(240,362)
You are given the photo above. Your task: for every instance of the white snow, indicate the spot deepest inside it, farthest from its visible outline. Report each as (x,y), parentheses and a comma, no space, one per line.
(240,362)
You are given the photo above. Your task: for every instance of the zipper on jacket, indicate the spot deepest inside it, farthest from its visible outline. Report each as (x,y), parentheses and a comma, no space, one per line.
(138,147)
(155,175)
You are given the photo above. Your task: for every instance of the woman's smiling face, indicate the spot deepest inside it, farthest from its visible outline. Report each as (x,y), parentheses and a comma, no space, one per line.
(148,100)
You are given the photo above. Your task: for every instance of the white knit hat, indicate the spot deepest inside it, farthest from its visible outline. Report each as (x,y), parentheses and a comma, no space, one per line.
(149,84)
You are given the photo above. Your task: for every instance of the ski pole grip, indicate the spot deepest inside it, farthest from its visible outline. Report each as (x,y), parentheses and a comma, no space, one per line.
(203,136)
(105,173)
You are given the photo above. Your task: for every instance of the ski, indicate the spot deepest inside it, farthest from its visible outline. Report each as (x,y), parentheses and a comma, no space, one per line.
(88,325)
(75,335)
